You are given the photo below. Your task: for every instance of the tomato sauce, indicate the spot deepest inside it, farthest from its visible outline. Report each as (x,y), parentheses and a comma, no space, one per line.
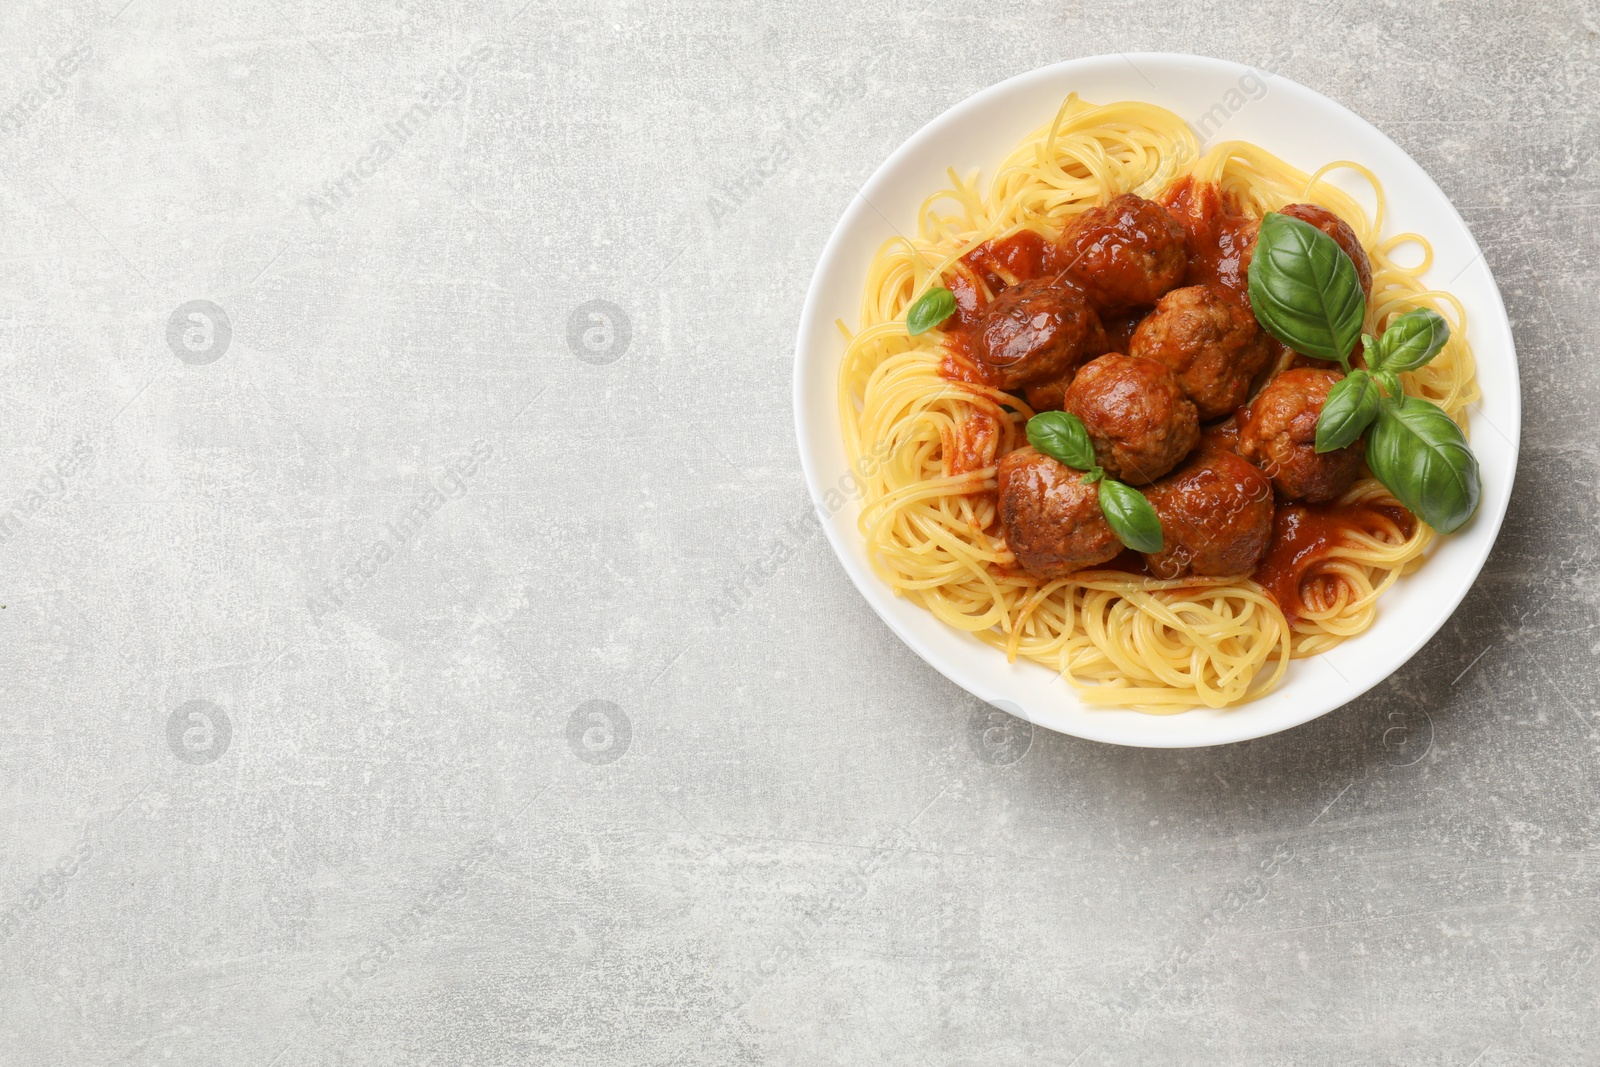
(972,445)
(1022,257)
(970,303)
(1119,329)
(1303,535)
(1129,562)
(1221,237)
(957,364)
(1221,436)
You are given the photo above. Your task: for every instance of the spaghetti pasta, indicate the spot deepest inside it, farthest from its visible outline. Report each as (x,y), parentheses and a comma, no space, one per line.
(930,515)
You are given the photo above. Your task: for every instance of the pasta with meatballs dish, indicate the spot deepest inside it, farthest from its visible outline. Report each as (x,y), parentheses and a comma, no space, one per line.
(1161,419)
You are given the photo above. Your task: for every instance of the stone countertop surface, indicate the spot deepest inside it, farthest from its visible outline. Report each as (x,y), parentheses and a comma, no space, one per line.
(416,650)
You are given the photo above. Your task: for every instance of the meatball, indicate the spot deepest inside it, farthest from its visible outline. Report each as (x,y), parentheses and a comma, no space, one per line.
(1216,517)
(1340,231)
(1125,254)
(1052,520)
(1212,344)
(1140,422)
(1278,433)
(1037,330)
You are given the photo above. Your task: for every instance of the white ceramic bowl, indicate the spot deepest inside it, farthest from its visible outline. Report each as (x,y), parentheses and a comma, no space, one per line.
(1306,129)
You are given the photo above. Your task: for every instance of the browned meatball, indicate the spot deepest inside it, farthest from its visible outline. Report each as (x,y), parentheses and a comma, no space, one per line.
(1052,520)
(1216,517)
(1125,254)
(1136,414)
(1037,330)
(1278,433)
(1340,231)
(1212,344)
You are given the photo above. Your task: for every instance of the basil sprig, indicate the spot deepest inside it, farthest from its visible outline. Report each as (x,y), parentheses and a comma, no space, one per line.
(1415,449)
(1130,516)
(1351,406)
(1304,290)
(1410,341)
(930,309)
(1062,436)
(1420,454)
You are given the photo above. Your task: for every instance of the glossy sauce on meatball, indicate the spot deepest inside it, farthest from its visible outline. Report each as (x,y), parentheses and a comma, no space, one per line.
(1278,433)
(1216,517)
(1342,234)
(1140,422)
(1037,330)
(1211,343)
(1125,254)
(1052,520)
(1221,238)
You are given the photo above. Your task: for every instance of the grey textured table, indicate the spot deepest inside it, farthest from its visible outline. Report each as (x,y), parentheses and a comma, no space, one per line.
(408,660)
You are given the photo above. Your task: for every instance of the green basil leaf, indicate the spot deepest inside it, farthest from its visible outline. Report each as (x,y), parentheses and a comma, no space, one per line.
(1351,406)
(1390,382)
(1132,519)
(1420,454)
(1304,290)
(931,308)
(1410,341)
(1062,435)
